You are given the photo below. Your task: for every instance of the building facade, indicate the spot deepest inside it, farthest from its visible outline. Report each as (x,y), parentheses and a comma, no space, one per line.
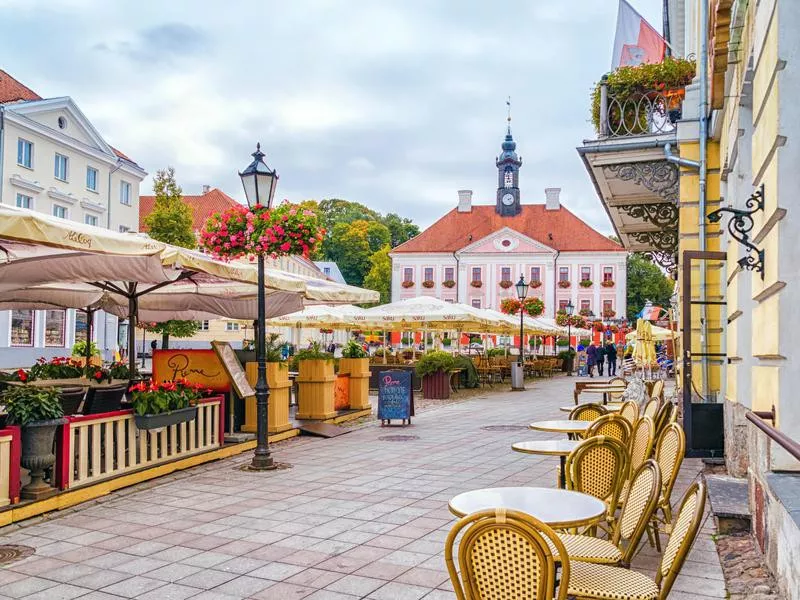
(475,253)
(53,160)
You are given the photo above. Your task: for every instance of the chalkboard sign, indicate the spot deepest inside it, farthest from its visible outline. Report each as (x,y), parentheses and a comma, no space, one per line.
(233,368)
(395,396)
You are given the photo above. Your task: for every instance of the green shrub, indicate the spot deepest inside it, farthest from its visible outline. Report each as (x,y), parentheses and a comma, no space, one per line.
(469,374)
(313,352)
(26,404)
(495,352)
(79,349)
(433,362)
(447,342)
(353,350)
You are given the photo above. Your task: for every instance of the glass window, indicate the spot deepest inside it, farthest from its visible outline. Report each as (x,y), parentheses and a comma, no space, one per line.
(586,305)
(61,167)
(505,274)
(408,274)
(476,273)
(90,220)
(125,193)
(24,153)
(536,274)
(203,325)
(563,273)
(91,179)
(449,274)
(24,201)
(608,305)
(508,178)
(476,303)
(231,326)
(22,327)
(55,322)
(124,229)
(80,326)
(562,304)
(428,274)
(586,273)
(608,273)
(59,211)
(326,270)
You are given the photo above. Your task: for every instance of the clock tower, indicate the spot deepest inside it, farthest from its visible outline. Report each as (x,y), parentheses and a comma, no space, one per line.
(508,164)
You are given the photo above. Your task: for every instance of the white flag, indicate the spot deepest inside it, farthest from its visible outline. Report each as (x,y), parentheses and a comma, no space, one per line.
(636,41)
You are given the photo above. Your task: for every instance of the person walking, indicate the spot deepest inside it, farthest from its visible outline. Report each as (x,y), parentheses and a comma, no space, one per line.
(591,358)
(601,358)
(611,357)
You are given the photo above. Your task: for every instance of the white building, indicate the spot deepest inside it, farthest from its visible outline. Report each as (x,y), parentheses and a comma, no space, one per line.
(53,160)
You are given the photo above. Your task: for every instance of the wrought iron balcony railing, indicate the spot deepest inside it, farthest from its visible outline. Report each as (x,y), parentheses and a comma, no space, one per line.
(639,113)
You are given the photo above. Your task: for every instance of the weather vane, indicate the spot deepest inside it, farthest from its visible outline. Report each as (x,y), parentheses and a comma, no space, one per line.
(508,104)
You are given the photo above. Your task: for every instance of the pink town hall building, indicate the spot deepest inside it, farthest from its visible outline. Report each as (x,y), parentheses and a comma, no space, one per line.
(475,254)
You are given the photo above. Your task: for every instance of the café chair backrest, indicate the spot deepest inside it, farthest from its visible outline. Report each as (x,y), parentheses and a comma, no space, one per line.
(71,399)
(658,389)
(641,444)
(638,506)
(610,425)
(505,555)
(587,412)
(630,411)
(651,408)
(669,453)
(663,417)
(103,399)
(598,466)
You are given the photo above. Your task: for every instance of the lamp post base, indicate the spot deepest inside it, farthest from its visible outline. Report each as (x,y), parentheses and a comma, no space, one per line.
(262,463)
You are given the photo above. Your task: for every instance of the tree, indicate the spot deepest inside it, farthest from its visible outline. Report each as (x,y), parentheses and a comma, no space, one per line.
(378,235)
(171,221)
(646,282)
(349,247)
(379,277)
(400,229)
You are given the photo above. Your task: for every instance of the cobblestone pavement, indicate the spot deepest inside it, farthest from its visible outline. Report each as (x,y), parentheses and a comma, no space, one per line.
(746,573)
(355,517)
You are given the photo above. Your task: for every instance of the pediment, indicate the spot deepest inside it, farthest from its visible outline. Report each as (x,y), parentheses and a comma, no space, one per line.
(504,241)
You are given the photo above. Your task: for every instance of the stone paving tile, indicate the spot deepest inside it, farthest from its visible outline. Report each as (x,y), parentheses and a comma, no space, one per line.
(356,517)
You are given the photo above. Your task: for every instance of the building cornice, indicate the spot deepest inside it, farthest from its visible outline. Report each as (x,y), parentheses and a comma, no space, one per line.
(26,184)
(55,194)
(93,206)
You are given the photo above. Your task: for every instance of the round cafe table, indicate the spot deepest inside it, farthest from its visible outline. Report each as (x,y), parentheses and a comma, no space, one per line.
(560,426)
(610,407)
(603,389)
(561,509)
(560,448)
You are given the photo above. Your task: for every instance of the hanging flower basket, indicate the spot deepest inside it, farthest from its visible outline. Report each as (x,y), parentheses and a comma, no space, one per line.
(598,326)
(586,283)
(476,284)
(326,331)
(564,284)
(535,284)
(532,306)
(242,231)
(407,284)
(505,284)
(428,284)
(449,283)
(608,283)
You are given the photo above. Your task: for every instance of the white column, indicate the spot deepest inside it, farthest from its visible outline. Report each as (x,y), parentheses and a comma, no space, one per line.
(548,281)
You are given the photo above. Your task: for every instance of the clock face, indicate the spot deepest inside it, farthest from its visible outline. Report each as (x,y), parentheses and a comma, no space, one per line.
(508,199)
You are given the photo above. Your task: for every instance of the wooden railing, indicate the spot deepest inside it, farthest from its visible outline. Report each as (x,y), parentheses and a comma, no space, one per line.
(92,448)
(10,450)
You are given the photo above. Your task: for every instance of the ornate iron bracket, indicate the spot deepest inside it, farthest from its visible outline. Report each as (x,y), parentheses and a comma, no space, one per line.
(740,226)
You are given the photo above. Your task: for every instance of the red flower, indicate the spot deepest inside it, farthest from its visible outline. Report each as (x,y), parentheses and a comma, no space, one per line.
(22,375)
(98,375)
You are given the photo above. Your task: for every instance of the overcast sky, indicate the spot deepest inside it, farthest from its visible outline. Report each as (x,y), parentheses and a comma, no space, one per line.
(393,103)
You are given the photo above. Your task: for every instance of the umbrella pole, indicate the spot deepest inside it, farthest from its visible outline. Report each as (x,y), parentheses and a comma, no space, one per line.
(132,311)
(89,328)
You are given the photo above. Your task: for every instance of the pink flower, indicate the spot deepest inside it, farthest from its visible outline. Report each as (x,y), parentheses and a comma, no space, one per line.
(285,247)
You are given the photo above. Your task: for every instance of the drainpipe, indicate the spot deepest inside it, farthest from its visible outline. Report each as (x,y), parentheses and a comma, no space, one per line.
(703,67)
(108,208)
(677,160)
(106,345)
(2,148)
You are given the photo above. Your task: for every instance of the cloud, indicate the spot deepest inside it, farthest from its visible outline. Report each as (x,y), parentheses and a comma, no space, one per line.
(159,44)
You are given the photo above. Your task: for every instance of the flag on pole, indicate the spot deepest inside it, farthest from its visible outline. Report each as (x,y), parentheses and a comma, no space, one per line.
(650,312)
(636,41)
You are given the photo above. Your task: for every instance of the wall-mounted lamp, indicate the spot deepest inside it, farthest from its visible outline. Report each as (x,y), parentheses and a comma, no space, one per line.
(740,226)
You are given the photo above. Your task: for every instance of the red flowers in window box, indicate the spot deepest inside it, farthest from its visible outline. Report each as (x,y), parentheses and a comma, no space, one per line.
(449,283)
(609,313)
(428,284)
(608,283)
(476,283)
(407,284)
(505,284)
(564,284)
(535,284)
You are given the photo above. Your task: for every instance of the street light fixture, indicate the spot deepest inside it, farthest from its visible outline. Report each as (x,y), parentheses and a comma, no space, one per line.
(522,293)
(259,184)
(569,308)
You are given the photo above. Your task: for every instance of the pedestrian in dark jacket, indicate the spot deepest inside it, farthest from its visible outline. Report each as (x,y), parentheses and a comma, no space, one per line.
(601,358)
(591,359)
(611,357)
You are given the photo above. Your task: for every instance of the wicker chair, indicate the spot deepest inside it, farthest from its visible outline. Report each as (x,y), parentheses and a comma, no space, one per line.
(586,412)
(669,456)
(103,399)
(637,510)
(71,399)
(641,443)
(658,389)
(614,426)
(599,466)
(651,408)
(630,410)
(662,419)
(588,580)
(505,555)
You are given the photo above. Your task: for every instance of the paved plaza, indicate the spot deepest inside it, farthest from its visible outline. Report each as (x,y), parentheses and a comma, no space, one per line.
(357,516)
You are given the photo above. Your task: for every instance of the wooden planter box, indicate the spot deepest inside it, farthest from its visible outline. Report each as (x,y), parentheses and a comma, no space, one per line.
(358,370)
(95,361)
(436,386)
(278,406)
(315,389)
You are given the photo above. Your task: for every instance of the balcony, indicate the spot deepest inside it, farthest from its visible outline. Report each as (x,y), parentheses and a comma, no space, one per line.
(636,114)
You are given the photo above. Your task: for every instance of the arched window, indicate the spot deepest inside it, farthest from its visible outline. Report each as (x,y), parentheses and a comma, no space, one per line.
(508,179)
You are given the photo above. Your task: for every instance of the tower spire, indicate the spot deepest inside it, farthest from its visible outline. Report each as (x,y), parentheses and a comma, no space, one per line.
(508,118)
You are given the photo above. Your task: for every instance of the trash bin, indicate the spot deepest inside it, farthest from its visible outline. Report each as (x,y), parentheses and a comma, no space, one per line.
(517,376)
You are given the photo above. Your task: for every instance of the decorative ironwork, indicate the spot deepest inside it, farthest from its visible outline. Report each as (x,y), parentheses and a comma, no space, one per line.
(648,113)
(667,260)
(661,214)
(664,241)
(657,176)
(740,226)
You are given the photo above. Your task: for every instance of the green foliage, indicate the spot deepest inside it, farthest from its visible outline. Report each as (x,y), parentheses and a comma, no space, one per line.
(313,352)
(353,350)
(646,282)
(379,277)
(79,349)
(173,328)
(153,398)
(492,352)
(272,348)
(469,374)
(433,362)
(447,342)
(27,404)
(60,367)
(400,229)
(171,221)
(565,354)
(119,370)
(671,74)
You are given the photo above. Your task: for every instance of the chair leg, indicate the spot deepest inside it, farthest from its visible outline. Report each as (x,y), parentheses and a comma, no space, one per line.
(657,536)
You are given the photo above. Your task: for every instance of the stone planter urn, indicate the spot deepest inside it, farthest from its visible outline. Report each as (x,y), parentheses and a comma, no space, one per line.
(38,456)
(315,389)
(358,370)
(436,385)
(278,404)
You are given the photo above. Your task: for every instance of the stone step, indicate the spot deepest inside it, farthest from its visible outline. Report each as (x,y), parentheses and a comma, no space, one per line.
(729,503)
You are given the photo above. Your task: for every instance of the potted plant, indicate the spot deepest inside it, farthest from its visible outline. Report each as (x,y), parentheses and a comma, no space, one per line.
(567,360)
(608,283)
(447,342)
(476,283)
(160,404)
(505,284)
(248,352)
(355,364)
(585,312)
(428,284)
(449,283)
(60,367)
(79,353)
(315,383)
(586,283)
(38,412)
(564,284)
(535,284)
(279,386)
(407,284)
(434,370)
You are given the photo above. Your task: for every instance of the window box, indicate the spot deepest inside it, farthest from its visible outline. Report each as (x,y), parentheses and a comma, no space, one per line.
(476,283)
(167,419)
(535,284)
(586,283)
(407,284)
(428,284)
(609,283)
(609,313)
(585,312)
(449,283)
(505,284)
(564,284)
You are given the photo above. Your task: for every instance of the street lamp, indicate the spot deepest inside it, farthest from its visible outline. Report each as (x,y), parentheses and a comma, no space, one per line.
(569,308)
(522,292)
(259,184)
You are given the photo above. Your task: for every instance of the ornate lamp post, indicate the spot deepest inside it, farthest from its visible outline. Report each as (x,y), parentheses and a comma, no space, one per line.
(569,308)
(259,184)
(522,293)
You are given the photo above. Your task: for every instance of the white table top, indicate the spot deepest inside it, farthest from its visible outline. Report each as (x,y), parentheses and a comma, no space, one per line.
(603,389)
(546,447)
(556,507)
(610,407)
(561,426)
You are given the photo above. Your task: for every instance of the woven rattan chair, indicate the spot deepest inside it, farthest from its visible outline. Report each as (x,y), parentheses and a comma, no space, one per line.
(641,442)
(71,399)
(658,389)
(103,399)
(614,426)
(651,408)
(669,456)
(662,419)
(505,555)
(637,509)
(630,410)
(598,466)
(588,580)
(586,412)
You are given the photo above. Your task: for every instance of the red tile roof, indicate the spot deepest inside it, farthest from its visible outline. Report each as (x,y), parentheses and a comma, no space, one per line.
(12,90)
(203,206)
(558,229)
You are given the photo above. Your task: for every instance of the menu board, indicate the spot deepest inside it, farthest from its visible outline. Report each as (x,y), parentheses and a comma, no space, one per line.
(233,368)
(395,396)
(195,366)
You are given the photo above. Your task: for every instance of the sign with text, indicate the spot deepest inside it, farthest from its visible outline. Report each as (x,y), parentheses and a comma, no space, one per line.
(395,396)
(202,367)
